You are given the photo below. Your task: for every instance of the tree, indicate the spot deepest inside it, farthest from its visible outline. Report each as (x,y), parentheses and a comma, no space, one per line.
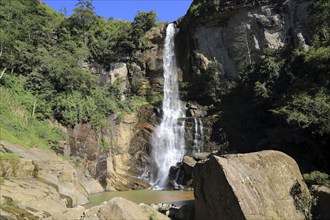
(143,22)
(85,4)
(209,84)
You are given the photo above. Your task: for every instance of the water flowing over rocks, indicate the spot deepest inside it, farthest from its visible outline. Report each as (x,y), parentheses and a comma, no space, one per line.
(247,186)
(168,138)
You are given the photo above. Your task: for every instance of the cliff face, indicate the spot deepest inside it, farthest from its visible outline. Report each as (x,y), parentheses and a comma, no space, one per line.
(237,33)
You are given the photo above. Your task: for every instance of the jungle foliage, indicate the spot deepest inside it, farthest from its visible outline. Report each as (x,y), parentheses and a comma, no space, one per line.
(46,62)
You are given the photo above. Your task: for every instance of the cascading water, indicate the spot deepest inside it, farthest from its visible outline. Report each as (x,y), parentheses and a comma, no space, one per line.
(168,138)
(198,136)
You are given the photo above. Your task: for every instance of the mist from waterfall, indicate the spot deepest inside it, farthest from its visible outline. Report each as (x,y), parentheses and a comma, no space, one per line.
(168,138)
(198,136)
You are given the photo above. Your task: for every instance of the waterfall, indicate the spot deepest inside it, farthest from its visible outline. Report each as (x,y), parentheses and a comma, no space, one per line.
(168,138)
(198,136)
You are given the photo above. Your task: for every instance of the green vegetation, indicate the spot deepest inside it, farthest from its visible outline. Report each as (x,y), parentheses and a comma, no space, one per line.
(9,202)
(46,65)
(2,180)
(8,156)
(317,178)
(195,9)
(207,86)
(304,201)
(283,102)
(18,121)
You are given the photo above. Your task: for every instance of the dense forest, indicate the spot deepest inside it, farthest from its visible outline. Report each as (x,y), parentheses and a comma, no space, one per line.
(46,61)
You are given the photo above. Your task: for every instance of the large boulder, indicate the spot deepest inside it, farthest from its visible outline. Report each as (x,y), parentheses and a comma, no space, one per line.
(120,208)
(249,186)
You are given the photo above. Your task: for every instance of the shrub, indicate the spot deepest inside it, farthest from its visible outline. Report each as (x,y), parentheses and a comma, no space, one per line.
(317,178)
(303,200)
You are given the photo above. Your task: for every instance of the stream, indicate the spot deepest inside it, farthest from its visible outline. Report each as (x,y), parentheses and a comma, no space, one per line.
(177,198)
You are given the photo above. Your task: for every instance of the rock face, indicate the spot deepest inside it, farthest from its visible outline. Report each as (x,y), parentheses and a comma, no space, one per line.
(146,68)
(110,155)
(248,186)
(40,184)
(120,208)
(236,33)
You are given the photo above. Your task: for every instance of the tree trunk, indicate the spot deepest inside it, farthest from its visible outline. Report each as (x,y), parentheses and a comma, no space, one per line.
(3,72)
(34,107)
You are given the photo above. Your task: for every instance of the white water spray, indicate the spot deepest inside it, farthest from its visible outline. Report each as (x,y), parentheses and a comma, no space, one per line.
(198,136)
(168,138)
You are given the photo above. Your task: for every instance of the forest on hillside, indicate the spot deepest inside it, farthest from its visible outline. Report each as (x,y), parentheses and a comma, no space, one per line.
(45,64)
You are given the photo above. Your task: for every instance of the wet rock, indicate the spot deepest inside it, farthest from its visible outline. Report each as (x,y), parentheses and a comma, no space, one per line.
(201,156)
(174,185)
(248,186)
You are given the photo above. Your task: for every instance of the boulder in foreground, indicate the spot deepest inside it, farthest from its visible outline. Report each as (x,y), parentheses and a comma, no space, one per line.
(261,185)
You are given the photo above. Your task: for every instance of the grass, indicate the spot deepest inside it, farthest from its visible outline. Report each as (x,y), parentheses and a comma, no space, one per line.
(2,180)
(8,156)
(17,125)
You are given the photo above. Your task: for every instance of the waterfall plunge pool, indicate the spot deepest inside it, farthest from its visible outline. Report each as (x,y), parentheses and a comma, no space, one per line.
(178,198)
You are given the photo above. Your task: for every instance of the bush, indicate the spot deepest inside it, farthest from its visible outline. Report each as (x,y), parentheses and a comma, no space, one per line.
(210,79)
(308,112)
(303,200)
(317,178)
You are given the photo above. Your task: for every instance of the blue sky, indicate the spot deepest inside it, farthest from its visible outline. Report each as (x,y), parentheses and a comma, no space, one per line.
(167,10)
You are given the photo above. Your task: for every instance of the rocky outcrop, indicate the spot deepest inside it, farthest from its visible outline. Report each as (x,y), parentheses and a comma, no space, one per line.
(120,208)
(248,186)
(38,183)
(237,33)
(111,155)
(146,68)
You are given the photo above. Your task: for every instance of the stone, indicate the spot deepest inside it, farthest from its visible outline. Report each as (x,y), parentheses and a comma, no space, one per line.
(247,186)
(188,164)
(185,212)
(321,210)
(267,24)
(120,208)
(201,156)
(70,214)
(29,192)
(72,195)
(20,167)
(90,185)
(153,213)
